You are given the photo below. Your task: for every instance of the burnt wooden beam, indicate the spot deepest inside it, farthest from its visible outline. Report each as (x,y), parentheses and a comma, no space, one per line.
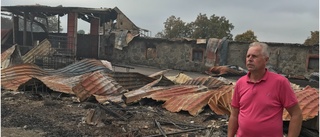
(160,128)
(179,132)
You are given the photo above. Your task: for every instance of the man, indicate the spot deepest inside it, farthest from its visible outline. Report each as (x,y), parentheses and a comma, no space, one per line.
(259,99)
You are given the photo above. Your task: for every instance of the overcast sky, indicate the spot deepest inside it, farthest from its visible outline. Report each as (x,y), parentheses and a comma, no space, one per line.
(284,21)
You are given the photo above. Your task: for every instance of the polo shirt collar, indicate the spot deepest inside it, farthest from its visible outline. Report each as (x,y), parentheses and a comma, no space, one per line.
(264,78)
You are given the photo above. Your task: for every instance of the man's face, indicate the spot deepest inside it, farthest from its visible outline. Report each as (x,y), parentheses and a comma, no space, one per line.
(255,61)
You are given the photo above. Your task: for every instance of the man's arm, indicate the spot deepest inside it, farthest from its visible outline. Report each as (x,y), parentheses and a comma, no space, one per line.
(233,122)
(295,121)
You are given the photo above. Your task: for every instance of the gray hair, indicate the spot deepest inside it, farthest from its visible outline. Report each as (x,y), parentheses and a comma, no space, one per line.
(264,47)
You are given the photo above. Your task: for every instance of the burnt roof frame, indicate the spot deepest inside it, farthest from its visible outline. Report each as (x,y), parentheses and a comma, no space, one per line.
(105,14)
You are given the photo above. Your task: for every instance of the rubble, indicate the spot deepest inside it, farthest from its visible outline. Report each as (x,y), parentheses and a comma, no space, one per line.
(117,94)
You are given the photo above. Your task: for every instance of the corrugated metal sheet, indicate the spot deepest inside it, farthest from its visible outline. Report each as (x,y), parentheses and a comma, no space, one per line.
(61,80)
(13,77)
(43,49)
(193,103)
(309,103)
(209,82)
(84,78)
(135,95)
(166,94)
(100,84)
(159,73)
(226,70)
(11,57)
(212,46)
(221,99)
(60,83)
(6,54)
(192,96)
(134,80)
(5,57)
(82,67)
(180,78)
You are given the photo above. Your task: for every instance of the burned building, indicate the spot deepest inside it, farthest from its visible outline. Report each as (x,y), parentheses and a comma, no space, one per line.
(103,22)
(114,37)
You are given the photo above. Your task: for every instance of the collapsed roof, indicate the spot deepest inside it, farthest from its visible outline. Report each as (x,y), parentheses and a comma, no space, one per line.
(86,14)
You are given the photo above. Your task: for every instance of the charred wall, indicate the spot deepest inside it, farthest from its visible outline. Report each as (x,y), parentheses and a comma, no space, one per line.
(160,53)
(289,59)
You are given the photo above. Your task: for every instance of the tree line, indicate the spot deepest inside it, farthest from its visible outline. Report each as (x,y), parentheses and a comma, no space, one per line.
(213,27)
(203,27)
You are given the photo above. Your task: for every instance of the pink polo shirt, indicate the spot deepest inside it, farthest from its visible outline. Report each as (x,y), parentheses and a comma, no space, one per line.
(261,105)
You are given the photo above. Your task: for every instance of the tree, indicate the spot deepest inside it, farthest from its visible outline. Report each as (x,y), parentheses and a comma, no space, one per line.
(6,23)
(247,36)
(39,23)
(213,27)
(159,35)
(313,40)
(174,28)
(81,31)
(202,27)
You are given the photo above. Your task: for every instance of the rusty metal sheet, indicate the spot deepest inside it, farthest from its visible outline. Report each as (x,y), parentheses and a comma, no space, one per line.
(100,84)
(136,95)
(221,99)
(180,78)
(5,57)
(308,99)
(212,46)
(83,78)
(11,57)
(60,83)
(13,77)
(209,82)
(193,103)
(82,67)
(161,93)
(159,73)
(191,98)
(228,70)
(177,90)
(120,39)
(7,53)
(64,79)
(61,80)
(134,80)
(43,49)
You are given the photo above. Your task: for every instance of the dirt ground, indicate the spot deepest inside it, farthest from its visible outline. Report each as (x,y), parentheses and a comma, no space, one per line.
(52,114)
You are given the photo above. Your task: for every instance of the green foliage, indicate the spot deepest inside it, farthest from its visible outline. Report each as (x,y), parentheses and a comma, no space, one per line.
(248,36)
(6,23)
(202,27)
(213,27)
(313,40)
(174,28)
(81,31)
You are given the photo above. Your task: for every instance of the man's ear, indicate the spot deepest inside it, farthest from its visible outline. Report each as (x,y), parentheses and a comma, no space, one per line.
(267,58)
